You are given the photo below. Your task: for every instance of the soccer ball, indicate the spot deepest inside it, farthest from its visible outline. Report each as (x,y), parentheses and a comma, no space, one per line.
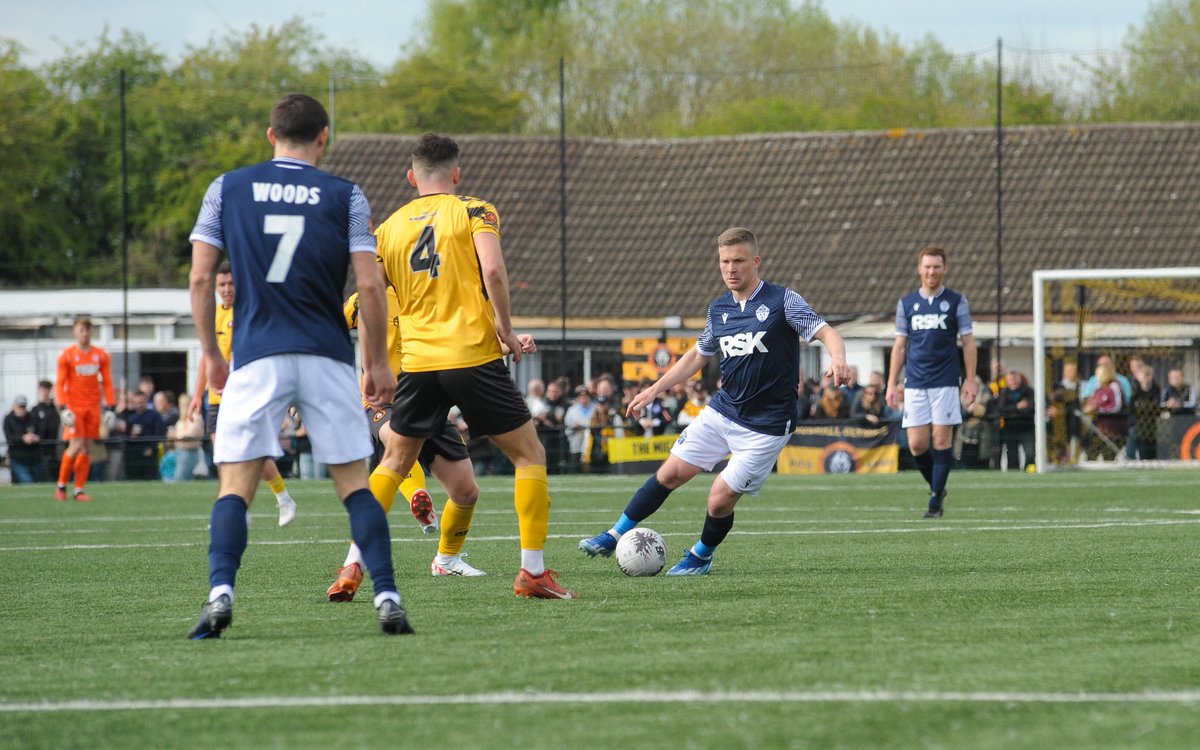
(641,552)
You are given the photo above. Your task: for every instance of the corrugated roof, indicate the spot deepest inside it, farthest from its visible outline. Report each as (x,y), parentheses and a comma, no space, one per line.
(839,216)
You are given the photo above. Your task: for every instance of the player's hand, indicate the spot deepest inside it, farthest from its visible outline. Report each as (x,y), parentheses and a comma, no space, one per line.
(510,341)
(641,401)
(528,345)
(217,370)
(838,372)
(194,407)
(970,392)
(892,398)
(378,385)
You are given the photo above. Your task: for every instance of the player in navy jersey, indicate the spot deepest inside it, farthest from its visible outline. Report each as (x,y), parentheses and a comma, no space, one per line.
(755,328)
(929,323)
(290,231)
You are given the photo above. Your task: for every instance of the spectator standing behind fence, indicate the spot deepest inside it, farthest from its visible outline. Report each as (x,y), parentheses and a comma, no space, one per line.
(47,425)
(189,437)
(832,404)
(868,408)
(22,439)
(166,404)
(1177,396)
(1015,406)
(145,431)
(1144,411)
(83,370)
(690,409)
(929,323)
(1107,406)
(577,421)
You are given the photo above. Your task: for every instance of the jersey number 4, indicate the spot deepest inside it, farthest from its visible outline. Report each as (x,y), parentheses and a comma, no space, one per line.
(292,229)
(424,255)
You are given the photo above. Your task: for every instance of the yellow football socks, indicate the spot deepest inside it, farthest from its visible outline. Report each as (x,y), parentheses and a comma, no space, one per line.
(277,486)
(456,523)
(384,483)
(413,482)
(532,498)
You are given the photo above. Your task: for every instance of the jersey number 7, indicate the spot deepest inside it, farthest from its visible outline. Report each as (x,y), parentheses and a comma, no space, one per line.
(292,229)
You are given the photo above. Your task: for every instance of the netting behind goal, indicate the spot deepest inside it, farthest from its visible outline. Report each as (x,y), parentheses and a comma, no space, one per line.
(1138,326)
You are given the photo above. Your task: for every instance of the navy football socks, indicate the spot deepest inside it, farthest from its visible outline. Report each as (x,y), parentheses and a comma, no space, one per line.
(649,498)
(369,529)
(227,539)
(925,465)
(714,532)
(943,461)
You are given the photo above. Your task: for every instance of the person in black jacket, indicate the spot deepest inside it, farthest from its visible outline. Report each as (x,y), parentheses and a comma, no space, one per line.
(1014,404)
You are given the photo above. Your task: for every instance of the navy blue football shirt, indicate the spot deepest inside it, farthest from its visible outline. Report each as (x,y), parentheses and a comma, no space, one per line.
(759,345)
(933,325)
(287,229)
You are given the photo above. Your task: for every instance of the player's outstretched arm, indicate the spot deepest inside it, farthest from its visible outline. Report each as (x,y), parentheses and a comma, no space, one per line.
(379,382)
(202,287)
(687,365)
(838,370)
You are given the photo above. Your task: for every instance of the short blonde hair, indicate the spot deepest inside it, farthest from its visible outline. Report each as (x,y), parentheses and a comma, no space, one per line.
(738,236)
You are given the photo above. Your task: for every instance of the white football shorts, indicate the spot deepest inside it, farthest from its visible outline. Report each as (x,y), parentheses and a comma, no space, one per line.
(712,436)
(924,406)
(256,400)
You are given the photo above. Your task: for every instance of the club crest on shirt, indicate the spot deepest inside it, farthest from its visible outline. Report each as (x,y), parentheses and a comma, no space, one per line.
(762,312)
(945,306)
(916,306)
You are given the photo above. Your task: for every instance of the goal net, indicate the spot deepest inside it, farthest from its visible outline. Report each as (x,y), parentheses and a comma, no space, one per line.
(1115,367)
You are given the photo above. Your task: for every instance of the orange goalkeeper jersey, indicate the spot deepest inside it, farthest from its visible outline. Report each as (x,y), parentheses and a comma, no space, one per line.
(80,374)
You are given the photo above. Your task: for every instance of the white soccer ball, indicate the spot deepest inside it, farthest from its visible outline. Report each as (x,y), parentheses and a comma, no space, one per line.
(641,552)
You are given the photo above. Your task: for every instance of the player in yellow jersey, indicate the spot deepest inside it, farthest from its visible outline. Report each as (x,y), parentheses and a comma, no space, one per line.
(224,325)
(442,254)
(445,456)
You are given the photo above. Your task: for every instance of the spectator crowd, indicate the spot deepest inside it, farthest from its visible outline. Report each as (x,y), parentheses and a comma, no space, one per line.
(1117,413)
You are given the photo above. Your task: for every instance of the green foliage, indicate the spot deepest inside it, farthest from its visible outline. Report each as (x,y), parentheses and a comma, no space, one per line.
(633,68)
(1158,79)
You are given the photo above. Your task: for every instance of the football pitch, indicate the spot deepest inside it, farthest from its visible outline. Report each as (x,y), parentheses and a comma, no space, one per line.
(1056,611)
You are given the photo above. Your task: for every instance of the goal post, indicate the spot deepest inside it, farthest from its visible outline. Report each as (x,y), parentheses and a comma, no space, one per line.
(1150,313)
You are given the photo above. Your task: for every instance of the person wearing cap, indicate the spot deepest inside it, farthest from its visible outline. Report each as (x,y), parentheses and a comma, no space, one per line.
(22,441)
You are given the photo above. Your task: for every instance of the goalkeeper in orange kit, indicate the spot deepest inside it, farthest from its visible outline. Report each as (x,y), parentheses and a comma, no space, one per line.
(82,370)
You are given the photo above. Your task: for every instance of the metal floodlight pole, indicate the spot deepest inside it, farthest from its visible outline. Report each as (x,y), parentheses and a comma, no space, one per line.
(562,210)
(124,237)
(332,78)
(999,192)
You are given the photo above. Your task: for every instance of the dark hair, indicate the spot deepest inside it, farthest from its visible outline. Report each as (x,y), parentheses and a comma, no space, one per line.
(433,151)
(224,268)
(298,118)
(45,384)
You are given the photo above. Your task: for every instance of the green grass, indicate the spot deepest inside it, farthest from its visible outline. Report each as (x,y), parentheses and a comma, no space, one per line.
(834,617)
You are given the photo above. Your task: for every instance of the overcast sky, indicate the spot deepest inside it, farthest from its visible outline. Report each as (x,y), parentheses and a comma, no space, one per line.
(378,28)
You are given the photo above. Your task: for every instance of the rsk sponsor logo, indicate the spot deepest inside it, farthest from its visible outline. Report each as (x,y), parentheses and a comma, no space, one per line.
(928,322)
(741,344)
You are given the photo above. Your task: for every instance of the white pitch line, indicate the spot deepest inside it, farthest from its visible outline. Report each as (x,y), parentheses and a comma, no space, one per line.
(929,527)
(627,696)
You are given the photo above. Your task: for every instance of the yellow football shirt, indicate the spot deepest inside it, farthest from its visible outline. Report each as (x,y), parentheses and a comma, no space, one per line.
(427,249)
(350,309)
(224,326)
